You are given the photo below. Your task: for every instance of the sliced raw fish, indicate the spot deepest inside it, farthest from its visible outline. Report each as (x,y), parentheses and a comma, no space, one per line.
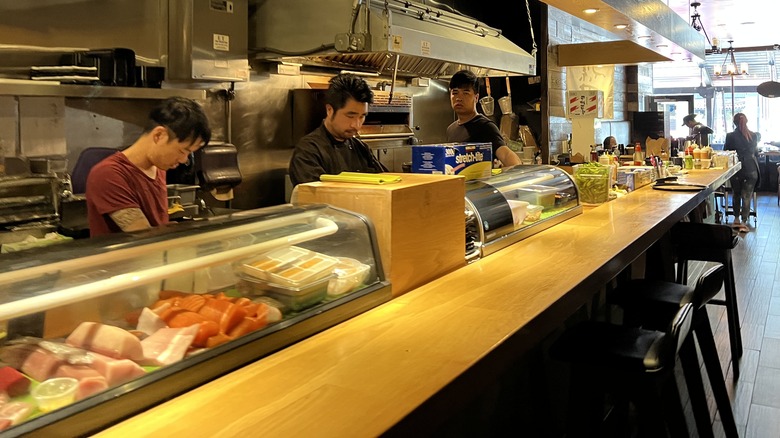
(15,354)
(78,372)
(13,383)
(168,345)
(72,355)
(108,340)
(149,321)
(91,385)
(116,371)
(41,364)
(16,412)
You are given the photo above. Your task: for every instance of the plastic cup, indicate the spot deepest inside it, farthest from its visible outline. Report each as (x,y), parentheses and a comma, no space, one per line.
(55,393)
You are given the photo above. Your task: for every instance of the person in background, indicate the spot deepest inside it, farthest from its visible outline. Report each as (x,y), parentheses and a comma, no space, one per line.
(745,142)
(333,148)
(472,126)
(127,191)
(610,143)
(698,131)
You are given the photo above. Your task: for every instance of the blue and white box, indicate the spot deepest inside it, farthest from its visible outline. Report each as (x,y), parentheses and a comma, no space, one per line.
(472,160)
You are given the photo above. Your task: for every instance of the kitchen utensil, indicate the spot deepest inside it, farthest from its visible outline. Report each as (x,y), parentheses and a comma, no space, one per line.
(506,102)
(487,103)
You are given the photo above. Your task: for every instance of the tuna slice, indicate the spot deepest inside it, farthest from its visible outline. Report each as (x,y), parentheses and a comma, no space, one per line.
(168,345)
(12,382)
(107,340)
(116,371)
(41,364)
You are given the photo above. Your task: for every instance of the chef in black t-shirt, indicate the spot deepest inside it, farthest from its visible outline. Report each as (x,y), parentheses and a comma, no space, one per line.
(472,126)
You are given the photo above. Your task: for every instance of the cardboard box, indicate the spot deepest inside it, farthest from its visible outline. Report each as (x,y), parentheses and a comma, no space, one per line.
(471,160)
(419,222)
(585,103)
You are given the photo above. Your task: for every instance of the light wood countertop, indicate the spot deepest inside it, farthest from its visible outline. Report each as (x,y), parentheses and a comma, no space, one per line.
(365,375)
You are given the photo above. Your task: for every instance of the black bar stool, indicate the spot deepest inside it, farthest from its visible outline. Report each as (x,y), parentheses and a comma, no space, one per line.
(631,364)
(712,243)
(651,304)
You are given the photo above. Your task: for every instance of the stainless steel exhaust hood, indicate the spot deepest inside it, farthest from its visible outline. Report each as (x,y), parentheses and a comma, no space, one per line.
(376,36)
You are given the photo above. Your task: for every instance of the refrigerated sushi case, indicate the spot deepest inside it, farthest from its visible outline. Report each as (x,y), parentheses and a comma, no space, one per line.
(47,292)
(515,204)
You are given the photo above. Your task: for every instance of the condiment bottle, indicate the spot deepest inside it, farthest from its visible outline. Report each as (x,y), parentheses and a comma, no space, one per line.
(689,161)
(639,158)
(594,156)
(697,153)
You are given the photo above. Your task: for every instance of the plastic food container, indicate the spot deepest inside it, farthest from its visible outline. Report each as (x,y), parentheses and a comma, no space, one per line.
(274,261)
(300,302)
(518,210)
(348,275)
(593,183)
(533,213)
(304,271)
(55,393)
(294,298)
(537,194)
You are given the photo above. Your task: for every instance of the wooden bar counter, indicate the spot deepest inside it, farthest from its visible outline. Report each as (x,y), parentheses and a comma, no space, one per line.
(404,366)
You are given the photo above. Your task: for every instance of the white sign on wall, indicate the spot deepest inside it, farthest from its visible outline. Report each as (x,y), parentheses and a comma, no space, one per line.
(594,78)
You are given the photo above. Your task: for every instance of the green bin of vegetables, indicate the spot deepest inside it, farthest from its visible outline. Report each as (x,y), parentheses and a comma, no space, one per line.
(592,181)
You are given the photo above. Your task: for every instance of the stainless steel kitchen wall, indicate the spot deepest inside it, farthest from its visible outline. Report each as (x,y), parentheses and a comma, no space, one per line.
(134,24)
(262,130)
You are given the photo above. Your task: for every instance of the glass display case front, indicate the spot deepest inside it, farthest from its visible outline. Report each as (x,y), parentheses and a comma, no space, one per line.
(97,330)
(515,204)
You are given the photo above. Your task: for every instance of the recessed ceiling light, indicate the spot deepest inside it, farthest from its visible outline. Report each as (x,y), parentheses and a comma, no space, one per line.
(660,46)
(644,36)
(621,26)
(748,22)
(590,10)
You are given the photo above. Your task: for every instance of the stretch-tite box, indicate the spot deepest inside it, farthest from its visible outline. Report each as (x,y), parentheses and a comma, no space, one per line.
(471,160)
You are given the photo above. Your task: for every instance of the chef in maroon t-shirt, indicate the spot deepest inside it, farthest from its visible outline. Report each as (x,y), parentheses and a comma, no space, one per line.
(127,191)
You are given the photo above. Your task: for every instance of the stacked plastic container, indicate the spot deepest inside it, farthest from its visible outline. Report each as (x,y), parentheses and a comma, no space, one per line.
(300,278)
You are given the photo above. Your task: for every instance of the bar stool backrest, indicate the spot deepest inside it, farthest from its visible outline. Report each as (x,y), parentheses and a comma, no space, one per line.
(708,285)
(664,352)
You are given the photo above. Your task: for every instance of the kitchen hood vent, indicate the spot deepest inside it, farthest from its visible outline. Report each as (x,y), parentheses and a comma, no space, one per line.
(376,36)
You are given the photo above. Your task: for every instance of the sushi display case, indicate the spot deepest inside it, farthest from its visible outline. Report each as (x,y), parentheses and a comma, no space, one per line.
(515,204)
(97,330)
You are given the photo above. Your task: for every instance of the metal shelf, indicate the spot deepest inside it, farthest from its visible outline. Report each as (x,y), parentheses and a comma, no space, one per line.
(30,88)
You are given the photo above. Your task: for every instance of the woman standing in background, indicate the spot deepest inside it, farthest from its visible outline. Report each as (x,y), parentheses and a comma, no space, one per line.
(745,143)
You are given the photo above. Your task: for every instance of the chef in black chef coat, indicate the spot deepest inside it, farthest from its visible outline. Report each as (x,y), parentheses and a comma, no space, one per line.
(333,148)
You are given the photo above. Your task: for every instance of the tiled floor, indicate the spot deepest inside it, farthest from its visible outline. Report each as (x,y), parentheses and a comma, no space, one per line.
(756,395)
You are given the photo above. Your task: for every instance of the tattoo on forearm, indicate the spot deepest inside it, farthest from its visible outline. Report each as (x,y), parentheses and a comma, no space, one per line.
(130,219)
